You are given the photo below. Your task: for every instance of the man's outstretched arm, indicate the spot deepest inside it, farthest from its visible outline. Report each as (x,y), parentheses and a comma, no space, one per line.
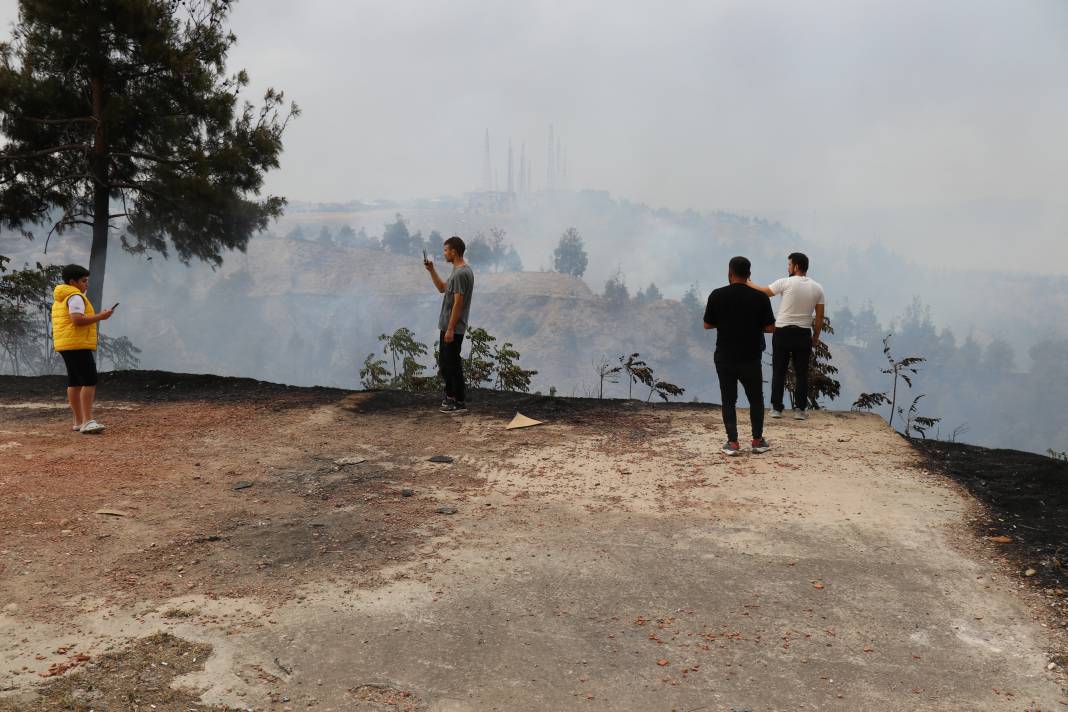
(763,290)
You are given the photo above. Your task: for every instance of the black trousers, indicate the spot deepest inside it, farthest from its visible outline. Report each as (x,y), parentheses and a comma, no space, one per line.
(790,343)
(452,366)
(749,373)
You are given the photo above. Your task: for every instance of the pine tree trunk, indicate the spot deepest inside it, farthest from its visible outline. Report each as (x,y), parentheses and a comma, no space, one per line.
(98,255)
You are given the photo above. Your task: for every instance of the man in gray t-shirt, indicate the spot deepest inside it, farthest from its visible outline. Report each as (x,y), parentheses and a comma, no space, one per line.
(452,322)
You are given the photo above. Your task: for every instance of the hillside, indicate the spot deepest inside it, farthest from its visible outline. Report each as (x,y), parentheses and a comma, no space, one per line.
(246,545)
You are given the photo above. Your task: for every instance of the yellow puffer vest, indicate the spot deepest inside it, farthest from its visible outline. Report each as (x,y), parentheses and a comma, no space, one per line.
(65,334)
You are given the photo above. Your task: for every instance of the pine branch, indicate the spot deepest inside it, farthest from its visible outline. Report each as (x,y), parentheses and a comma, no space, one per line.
(149,157)
(54,122)
(45,152)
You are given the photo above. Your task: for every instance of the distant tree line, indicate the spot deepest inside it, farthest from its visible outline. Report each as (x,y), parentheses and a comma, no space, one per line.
(973,384)
(490,253)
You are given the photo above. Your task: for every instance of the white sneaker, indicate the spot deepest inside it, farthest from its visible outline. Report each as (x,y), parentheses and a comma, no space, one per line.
(800,414)
(91,426)
(775,413)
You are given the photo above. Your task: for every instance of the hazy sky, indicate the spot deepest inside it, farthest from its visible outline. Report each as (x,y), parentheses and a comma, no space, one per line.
(935,127)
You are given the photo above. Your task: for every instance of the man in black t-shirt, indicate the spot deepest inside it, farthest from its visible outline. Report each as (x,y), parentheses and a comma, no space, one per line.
(742,316)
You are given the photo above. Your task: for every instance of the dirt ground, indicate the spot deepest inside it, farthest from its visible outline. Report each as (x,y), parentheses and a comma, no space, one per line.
(230,544)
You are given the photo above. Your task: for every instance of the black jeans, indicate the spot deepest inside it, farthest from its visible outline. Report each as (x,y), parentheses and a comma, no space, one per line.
(790,343)
(752,378)
(452,366)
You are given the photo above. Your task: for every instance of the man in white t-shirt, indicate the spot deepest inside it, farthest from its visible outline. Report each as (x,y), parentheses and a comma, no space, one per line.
(796,331)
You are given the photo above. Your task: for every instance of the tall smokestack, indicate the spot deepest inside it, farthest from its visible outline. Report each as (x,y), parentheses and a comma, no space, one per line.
(523,168)
(550,164)
(487,167)
(558,173)
(511,183)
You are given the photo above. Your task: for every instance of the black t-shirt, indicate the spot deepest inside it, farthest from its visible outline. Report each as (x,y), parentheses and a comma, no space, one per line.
(739,314)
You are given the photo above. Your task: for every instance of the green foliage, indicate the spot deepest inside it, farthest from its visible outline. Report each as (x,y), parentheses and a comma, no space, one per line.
(510,375)
(488,362)
(479,366)
(570,256)
(1057,454)
(402,347)
(25,319)
(120,351)
(374,374)
(117,110)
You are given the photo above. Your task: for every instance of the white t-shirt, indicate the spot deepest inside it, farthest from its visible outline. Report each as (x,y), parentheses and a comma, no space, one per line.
(76,305)
(800,295)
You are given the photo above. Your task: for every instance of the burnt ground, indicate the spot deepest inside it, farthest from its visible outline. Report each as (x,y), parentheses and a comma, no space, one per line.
(1025,513)
(163,386)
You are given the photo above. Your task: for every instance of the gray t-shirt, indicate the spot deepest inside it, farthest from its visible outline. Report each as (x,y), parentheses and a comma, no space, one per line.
(461,281)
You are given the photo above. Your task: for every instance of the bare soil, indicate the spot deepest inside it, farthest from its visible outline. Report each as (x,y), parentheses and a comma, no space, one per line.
(294,539)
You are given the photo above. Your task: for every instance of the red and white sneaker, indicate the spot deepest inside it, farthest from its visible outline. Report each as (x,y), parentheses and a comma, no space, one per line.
(760,445)
(731,448)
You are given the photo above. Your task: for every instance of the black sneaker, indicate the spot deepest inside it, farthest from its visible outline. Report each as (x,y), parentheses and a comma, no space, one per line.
(454,407)
(731,448)
(760,446)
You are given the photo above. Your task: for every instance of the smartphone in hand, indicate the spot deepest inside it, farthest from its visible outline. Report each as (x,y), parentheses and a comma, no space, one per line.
(426,260)
(113,308)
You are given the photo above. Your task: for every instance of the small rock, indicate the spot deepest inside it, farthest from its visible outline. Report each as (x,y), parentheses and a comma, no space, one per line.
(446,510)
(65,531)
(1030,572)
(441,458)
(407,492)
(353,460)
(242,485)
(1051,666)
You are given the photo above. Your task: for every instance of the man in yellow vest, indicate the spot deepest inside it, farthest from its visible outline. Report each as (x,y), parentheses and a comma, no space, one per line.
(74,334)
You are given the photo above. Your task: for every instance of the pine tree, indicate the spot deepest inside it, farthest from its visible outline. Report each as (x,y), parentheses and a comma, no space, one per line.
(570,256)
(122,109)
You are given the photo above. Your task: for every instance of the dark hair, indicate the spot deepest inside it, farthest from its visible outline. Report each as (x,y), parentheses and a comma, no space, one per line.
(456,244)
(800,260)
(73,272)
(740,267)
